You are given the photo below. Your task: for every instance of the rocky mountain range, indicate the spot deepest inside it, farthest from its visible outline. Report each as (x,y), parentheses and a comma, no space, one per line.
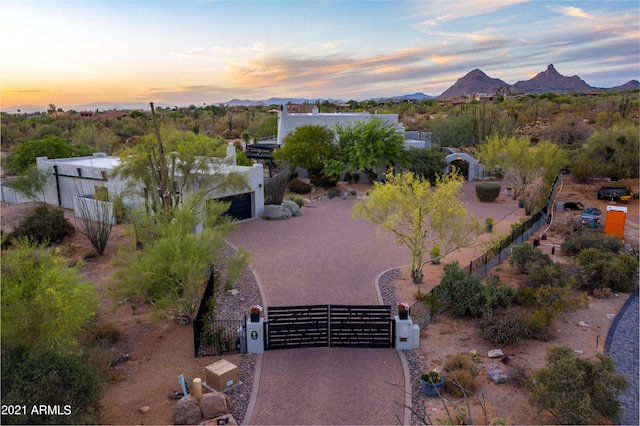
(549,80)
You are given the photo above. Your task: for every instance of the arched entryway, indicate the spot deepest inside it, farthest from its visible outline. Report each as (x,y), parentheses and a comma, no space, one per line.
(466,164)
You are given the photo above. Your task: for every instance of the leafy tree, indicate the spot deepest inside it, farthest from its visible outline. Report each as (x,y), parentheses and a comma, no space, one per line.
(169,272)
(366,145)
(309,147)
(45,304)
(610,152)
(31,183)
(453,130)
(576,390)
(521,163)
(414,212)
(51,378)
(25,154)
(427,163)
(193,166)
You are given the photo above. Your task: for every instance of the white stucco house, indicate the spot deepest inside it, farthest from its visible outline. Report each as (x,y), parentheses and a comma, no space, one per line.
(288,122)
(78,177)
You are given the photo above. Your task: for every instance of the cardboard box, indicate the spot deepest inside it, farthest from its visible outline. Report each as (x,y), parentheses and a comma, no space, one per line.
(222,374)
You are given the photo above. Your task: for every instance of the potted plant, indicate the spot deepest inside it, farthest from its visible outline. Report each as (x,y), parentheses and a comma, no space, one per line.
(255,312)
(432,384)
(521,203)
(489,224)
(435,254)
(403,311)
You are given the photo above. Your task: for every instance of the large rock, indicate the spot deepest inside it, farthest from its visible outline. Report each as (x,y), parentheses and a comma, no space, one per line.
(187,411)
(214,404)
(294,207)
(273,212)
(497,374)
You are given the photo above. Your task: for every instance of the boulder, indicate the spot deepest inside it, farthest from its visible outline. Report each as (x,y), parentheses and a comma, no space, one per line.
(497,374)
(273,212)
(227,419)
(495,353)
(294,207)
(187,411)
(214,404)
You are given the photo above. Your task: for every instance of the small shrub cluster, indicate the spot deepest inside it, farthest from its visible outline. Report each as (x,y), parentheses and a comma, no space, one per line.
(299,187)
(525,257)
(43,224)
(584,240)
(460,375)
(468,297)
(510,327)
(299,201)
(323,181)
(617,271)
(487,191)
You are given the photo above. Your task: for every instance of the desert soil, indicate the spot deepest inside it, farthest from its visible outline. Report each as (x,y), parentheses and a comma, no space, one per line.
(160,350)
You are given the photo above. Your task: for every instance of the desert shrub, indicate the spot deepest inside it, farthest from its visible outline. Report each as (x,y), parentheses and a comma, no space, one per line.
(460,374)
(487,191)
(617,271)
(44,223)
(276,186)
(334,193)
(505,328)
(299,187)
(323,181)
(49,377)
(464,291)
(460,362)
(498,295)
(548,302)
(602,293)
(460,383)
(102,333)
(584,240)
(554,274)
(526,257)
(576,390)
(299,201)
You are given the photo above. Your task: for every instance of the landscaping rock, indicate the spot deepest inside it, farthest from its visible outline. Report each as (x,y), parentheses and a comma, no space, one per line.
(187,411)
(273,212)
(497,374)
(214,404)
(583,324)
(144,409)
(294,207)
(495,353)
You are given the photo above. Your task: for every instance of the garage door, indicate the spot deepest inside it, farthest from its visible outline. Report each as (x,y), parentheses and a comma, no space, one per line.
(240,206)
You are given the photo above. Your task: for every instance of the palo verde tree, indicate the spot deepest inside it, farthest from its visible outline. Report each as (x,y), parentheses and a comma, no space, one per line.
(364,145)
(169,272)
(309,146)
(520,162)
(31,183)
(44,301)
(415,213)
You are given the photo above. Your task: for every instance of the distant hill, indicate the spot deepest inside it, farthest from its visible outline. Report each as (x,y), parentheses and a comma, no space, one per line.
(549,80)
(474,82)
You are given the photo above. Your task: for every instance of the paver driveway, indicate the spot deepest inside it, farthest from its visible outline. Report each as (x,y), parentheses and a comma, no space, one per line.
(326,257)
(323,257)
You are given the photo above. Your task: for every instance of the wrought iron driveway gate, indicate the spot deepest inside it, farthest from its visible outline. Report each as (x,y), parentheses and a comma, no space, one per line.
(369,326)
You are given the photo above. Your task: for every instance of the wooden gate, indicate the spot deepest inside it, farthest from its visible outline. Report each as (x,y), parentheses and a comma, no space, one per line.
(329,325)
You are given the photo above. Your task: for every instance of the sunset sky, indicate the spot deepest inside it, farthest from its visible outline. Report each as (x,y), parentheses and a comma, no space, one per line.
(194,52)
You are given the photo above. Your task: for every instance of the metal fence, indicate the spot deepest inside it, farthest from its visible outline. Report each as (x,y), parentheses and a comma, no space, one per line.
(214,337)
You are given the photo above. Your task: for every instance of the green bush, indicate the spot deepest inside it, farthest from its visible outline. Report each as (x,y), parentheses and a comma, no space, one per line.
(526,257)
(498,295)
(584,240)
(487,191)
(44,223)
(301,202)
(617,271)
(299,187)
(464,291)
(323,181)
(50,378)
(577,390)
(554,275)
